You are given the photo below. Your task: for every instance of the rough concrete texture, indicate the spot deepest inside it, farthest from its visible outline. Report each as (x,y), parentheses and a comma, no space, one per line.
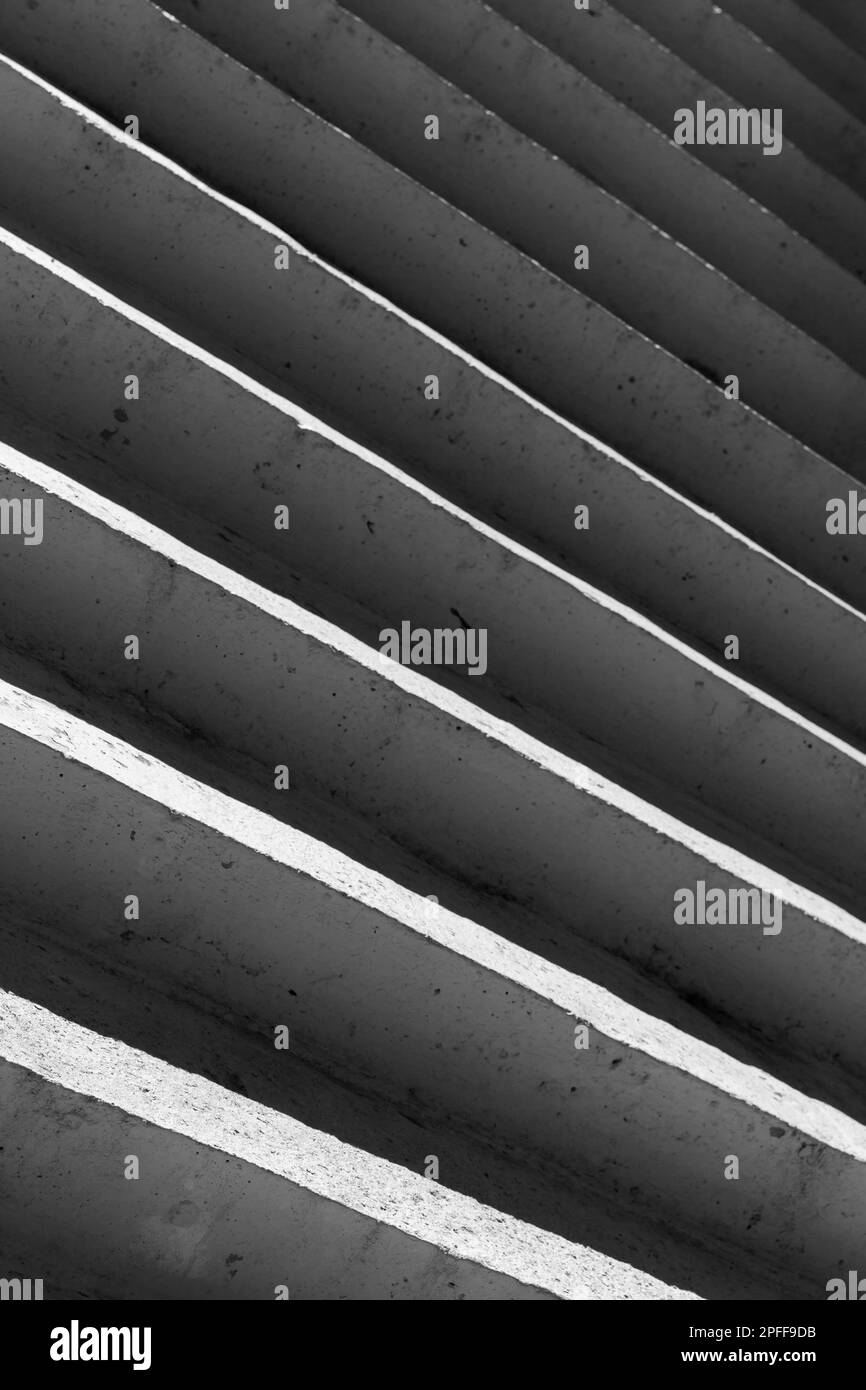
(513,1073)
(255,317)
(462,1005)
(175,262)
(248,430)
(485,168)
(724,50)
(232,1191)
(242,672)
(810,46)
(53,971)
(543,96)
(846,19)
(629,64)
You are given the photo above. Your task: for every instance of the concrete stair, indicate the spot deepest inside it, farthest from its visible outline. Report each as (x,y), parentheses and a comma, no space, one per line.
(511,1072)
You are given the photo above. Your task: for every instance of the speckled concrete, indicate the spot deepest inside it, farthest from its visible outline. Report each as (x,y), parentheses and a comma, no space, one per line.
(198,106)
(226,659)
(379,986)
(462,906)
(642,532)
(815,50)
(844,17)
(174,260)
(725,50)
(629,64)
(548,99)
(234,1200)
(105,996)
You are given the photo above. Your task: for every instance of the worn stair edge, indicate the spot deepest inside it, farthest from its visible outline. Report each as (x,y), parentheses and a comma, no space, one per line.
(240,778)
(370,752)
(632,391)
(323,187)
(297,1206)
(812,48)
(242,423)
(398,354)
(96,992)
(638,71)
(549,100)
(336,503)
(58,598)
(348,925)
(845,20)
(723,49)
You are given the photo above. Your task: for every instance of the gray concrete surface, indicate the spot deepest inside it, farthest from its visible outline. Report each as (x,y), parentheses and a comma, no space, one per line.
(114,1001)
(364,752)
(240,651)
(180,266)
(547,98)
(201,108)
(266,1202)
(814,49)
(768,490)
(721,48)
(403,1007)
(846,20)
(462,904)
(637,527)
(626,61)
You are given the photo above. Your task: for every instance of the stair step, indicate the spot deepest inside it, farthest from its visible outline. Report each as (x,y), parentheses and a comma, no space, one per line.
(843,18)
(386,985)
(430,721)
(386,731)
(482,167)
(627,62)
(543,96)
(275,1208)
(535,620)
(114,1001)
(732,57)
(809,45)
(260,452)
(246,323)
